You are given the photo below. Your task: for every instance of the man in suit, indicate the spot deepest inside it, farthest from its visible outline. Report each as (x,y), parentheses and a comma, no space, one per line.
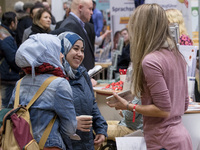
(81,12)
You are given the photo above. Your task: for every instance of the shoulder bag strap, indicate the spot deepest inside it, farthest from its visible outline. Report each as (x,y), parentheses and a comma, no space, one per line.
(46,133)
(41,90)
(38,93)
(16,103)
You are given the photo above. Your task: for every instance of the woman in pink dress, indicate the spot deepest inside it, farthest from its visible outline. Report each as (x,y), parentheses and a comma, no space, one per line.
(159,78)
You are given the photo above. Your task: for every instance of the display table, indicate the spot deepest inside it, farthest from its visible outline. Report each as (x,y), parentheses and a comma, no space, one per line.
(191,120)
(104,65)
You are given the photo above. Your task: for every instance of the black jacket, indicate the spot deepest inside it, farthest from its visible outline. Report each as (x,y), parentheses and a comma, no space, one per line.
(9,71)
(124,59)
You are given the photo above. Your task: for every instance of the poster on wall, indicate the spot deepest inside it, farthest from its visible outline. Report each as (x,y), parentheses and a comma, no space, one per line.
(182,5)
(120,11)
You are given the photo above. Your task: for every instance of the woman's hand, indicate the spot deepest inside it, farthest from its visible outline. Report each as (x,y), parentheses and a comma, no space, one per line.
(84,123)
(120,113)
(94,82)
(99,139)
(120,104)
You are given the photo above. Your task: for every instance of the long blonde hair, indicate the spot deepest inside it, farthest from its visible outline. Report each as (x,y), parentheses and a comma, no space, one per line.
(175,16)
(148,31)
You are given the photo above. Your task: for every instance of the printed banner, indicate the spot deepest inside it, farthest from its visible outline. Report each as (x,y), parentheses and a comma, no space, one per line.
(120,11)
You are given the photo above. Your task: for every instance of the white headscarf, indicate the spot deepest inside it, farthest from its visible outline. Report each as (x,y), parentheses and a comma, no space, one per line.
(39,49)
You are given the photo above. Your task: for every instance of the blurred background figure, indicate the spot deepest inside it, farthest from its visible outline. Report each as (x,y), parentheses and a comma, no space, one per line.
(9,71)
(175,16)
(197,90)
(0,14)
(67,8)
(41,22)
(124,59)
(37,6)
(48,6)
(18,7)
(99,40)
(24,21)
(107,38)
(27,7)
(138,2)
(116,39)
(97,18)
(124,34)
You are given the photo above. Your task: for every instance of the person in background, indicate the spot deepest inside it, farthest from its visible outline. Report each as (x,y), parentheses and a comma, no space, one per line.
(66,8)
(116,39)
(41,21)
(48,7)
(196,89)
(124,59)
(9,71)
(56,99)
(107,39)
(97,18)
(138,2)
(175,16)
(33,11)
(81,12)
(24,22)
(0,14)
(27,7)
(99,40)
(161,86)
(18,7)
(84,101)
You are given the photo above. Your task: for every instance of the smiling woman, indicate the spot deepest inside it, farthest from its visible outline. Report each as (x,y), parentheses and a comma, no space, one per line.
(76,54)
(73,49)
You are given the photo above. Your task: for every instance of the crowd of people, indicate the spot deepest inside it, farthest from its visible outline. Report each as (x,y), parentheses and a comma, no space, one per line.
(34,47)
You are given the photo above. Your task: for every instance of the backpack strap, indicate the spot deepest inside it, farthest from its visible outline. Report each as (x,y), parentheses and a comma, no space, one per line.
(16,103)
(41,90)
(37,94)
(46,133)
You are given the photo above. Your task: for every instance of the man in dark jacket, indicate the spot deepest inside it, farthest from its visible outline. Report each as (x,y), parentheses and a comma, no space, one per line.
(9,71)
(24,21)
(81,12)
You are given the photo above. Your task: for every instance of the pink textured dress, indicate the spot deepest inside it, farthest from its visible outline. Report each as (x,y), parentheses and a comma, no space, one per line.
(165,85)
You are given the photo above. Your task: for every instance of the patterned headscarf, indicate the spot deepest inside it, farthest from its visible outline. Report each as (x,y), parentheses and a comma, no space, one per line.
(68,39)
